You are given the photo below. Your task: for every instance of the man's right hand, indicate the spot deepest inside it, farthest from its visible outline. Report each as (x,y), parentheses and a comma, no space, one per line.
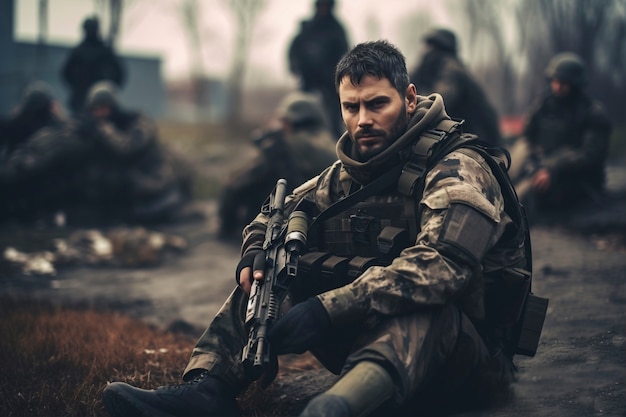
(251,267)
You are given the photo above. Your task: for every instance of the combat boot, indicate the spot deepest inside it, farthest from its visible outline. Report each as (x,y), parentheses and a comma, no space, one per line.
(205,395)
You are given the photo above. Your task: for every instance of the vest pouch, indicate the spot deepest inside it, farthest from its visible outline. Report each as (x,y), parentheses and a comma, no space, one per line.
(528,330)
(505,295)
(308,280)
(335,272)
(391,241)
(360,264)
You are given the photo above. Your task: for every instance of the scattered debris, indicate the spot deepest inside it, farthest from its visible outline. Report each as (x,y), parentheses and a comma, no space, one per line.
(123,247)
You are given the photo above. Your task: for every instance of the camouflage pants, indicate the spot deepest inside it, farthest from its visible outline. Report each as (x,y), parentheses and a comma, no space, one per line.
(416,348)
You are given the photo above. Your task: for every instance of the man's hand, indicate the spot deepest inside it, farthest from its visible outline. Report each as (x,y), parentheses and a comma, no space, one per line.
(541,180)
(301,328)
(251,266)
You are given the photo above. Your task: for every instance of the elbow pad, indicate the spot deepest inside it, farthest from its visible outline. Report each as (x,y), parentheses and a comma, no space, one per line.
(466,233)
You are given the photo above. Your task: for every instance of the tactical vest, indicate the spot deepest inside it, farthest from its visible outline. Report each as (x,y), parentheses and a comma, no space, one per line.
(375,231)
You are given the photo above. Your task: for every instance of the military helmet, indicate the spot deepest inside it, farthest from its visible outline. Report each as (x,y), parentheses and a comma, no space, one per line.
(103,93)
(442,39)
(567,67)
(300,108)
(37,97)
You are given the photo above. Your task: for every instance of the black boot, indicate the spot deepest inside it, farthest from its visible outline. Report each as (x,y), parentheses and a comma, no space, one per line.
(205,396)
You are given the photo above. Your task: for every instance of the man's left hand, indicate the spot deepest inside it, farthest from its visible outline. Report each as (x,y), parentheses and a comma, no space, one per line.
(301,328)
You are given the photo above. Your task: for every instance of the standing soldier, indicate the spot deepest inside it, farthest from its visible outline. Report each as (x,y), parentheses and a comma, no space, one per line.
(313,54)
(561,158)
(441,71)
(89,62)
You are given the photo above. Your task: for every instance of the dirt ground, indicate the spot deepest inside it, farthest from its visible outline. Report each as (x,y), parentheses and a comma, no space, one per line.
(579,264)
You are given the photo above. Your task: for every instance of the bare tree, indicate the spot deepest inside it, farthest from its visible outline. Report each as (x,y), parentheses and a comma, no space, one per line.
(115,17)
(245,13)
(412,28)
(43,21)
(595,30)
(538,29)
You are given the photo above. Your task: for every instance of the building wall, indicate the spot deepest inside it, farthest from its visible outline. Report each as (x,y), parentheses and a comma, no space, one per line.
(144,89)
(22,63)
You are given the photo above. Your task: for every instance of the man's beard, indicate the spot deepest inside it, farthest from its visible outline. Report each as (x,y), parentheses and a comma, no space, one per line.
(397,130)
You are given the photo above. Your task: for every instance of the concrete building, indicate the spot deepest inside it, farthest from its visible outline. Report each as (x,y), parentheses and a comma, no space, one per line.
(22,63)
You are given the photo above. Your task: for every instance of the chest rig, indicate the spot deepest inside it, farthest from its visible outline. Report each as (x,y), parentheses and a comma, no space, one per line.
(373,228)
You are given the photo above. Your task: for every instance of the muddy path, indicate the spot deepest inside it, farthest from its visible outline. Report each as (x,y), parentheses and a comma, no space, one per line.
(579,264)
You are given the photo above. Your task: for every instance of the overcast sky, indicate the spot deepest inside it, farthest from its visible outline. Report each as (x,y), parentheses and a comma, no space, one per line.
(152,27)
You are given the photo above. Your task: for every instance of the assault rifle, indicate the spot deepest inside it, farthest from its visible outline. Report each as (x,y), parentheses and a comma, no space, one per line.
(283,245)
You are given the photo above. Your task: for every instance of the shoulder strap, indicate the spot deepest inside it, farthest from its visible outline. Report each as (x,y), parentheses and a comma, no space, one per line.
(431,146)
(378,185)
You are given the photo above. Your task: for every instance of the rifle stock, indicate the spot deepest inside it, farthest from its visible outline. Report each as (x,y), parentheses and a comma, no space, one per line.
(283,245)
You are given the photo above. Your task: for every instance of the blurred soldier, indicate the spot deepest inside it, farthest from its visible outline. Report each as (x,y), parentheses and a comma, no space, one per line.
(297,149)
(441,71)
(130,177)
(37,109)
(561,159)
(313,54)
(89,62)
(41,159)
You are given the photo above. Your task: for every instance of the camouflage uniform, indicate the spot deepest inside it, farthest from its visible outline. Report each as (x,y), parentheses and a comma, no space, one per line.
(442,72)
(418,316)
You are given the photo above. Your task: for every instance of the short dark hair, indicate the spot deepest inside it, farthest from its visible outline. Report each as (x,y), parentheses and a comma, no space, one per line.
(380,59)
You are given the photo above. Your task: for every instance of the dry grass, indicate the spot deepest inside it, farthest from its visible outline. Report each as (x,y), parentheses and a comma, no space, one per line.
(56,361)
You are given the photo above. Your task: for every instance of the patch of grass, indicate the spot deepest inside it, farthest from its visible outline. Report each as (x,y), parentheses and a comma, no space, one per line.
(57,360)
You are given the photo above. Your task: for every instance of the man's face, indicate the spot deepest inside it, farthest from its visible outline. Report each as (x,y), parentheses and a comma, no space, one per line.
(560,88)
(101,111)
(374,113)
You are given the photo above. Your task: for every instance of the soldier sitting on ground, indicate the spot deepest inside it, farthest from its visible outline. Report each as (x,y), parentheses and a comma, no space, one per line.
(296,146)
(130,177)
(37,109)
(404,287)
(560,160)
(40,160)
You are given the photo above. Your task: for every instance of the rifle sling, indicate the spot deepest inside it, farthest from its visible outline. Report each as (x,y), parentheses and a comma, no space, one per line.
(373,188)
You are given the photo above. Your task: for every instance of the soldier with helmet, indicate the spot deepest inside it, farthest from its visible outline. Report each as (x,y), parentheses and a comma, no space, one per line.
(40,158)
(441,71)
(37,109)
(561,159)
(132,176)
(296,145)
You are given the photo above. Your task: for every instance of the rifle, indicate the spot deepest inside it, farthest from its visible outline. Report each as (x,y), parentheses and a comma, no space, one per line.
(283,245)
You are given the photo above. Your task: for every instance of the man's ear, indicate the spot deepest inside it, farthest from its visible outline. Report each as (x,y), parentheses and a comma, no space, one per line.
(410,99)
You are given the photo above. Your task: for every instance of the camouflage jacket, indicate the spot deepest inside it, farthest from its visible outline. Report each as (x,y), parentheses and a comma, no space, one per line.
(424,275)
